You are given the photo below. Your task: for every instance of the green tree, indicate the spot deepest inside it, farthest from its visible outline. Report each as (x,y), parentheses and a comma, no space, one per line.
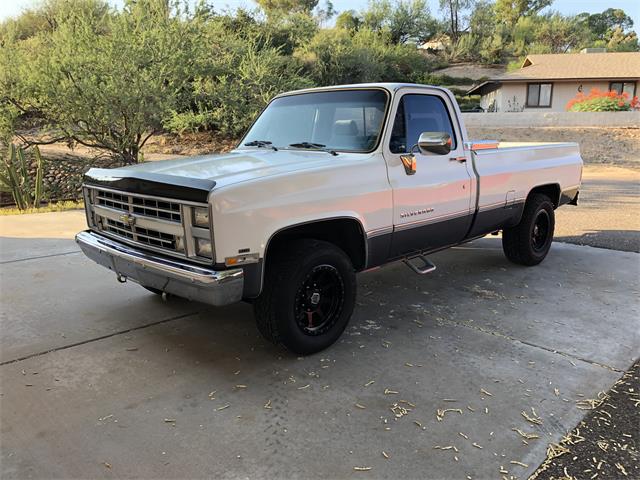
(239,80)
(603,24)
(610,29)
(108,83)
(454,16)
(348,20)
(509,11)
(337,56)
(402,20)
(411,20)
(278,7)
(559,34)
(45,17)
(489,43)
(623,42)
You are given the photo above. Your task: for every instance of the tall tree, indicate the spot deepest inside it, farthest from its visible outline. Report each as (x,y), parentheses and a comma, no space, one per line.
(509,11)
(455,16)
(278,7)
(348,20)
(603,24)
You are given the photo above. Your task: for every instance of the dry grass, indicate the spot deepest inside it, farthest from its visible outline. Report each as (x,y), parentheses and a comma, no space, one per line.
(51,207)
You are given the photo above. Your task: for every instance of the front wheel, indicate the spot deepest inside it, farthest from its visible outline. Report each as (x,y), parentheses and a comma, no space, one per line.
(529,242)
(308,296)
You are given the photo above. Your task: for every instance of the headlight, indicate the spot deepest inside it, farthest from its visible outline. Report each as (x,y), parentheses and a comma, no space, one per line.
(201,217)
(203,247)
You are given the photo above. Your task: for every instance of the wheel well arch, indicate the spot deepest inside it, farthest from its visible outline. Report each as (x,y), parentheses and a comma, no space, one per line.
(346,233)
(551,190)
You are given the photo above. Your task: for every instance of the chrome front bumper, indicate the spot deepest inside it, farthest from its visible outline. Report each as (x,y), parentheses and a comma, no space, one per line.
(169,275)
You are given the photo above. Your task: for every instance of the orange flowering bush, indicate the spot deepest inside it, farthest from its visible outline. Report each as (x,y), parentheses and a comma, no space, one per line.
(599,101)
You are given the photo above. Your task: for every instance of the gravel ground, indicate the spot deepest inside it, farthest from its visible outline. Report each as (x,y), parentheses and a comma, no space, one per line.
(605,443)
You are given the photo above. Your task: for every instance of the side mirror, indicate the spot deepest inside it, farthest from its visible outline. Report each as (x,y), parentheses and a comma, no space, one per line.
(434,142)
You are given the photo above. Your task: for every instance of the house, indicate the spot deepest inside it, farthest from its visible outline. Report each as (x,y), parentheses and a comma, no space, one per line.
(436,44)
(547,82)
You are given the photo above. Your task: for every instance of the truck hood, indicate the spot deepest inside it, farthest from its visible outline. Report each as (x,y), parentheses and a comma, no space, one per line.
(236,166)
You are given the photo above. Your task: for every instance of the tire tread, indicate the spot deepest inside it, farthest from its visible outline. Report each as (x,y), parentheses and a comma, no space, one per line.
(516,240)
(281,266)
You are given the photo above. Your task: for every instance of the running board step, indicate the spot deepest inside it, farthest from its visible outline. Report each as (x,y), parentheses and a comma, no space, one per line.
(427,266)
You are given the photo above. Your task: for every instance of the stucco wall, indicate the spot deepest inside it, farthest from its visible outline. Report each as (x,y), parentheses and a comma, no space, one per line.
(512,97)
(539,118)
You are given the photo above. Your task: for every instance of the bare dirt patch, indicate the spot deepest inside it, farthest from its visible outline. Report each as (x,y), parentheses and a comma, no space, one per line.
(605,443)
(472,70)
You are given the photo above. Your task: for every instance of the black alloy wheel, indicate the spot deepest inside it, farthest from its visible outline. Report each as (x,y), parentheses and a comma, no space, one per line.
(540,231)
(319,300)
(528,242)
(308,295)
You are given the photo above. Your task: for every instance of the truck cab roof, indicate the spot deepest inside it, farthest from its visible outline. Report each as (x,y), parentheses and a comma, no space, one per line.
(389,86)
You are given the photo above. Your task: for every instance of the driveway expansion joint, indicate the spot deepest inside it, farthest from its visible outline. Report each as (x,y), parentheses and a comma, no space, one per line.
(39,257)
(92,340)
(534,345)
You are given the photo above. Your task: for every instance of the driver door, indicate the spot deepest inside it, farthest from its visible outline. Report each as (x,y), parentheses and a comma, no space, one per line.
(432,207)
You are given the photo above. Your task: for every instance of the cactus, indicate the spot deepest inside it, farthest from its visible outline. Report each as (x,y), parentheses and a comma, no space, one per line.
(15,179)
(38,187)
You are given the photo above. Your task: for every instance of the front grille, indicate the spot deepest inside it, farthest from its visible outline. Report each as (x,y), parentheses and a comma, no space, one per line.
(118,228)
(157,224)
(147,207)
(141,235)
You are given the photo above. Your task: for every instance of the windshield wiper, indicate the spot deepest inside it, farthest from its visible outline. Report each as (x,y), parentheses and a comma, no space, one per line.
(261,144)
(313,146)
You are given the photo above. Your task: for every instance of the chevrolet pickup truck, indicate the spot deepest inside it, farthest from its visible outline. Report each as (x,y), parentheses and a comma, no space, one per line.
(326,183)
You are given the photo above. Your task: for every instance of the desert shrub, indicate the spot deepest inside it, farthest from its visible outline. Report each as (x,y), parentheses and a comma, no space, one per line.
(238,77)
(599,101)
(436,79)
(106,82)
(468,103)
(339,55)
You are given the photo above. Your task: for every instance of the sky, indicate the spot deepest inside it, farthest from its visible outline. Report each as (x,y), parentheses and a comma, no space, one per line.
(10,8)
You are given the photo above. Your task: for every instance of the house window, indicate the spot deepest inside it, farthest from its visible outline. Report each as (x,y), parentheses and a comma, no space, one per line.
(627,87)
(539,94)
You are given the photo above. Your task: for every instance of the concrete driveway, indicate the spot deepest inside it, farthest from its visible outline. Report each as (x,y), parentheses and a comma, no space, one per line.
(431,379)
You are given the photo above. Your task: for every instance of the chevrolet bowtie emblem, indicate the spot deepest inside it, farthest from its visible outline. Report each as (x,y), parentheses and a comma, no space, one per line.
(128,219)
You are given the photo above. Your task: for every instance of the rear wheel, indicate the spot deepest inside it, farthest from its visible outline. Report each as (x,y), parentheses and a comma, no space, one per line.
(308,296)
(529,242)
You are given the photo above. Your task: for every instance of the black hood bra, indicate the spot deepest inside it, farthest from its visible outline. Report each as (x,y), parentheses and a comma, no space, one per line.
(154,184)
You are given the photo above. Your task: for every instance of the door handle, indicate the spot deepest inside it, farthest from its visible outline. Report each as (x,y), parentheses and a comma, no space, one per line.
(458,159)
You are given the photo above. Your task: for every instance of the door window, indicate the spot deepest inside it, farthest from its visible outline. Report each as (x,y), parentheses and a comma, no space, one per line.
(416,114)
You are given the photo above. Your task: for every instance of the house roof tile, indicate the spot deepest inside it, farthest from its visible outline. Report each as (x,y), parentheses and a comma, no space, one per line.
(566,66)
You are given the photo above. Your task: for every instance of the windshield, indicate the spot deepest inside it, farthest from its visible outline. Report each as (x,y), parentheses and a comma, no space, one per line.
(347,120)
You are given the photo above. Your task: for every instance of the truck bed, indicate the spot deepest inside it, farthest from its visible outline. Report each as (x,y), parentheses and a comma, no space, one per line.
(507,172)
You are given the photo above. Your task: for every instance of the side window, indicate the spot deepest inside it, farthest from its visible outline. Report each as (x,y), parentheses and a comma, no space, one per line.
(419,113)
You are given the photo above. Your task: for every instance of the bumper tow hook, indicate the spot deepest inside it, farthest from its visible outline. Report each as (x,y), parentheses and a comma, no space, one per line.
(121,278)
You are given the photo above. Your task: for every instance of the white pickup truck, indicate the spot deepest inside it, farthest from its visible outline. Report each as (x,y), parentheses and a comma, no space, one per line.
(327,182)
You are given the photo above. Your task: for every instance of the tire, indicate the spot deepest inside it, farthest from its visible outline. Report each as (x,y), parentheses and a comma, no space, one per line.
(308,296)
(529,242)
